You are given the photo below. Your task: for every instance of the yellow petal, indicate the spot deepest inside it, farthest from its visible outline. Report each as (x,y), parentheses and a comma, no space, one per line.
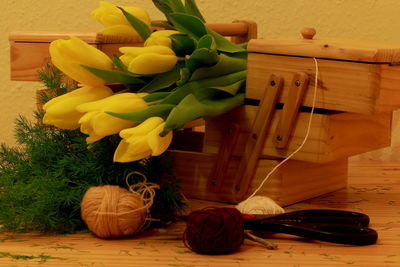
(68,55)
(138,13)
(123,102)
(85,94)
(122,153)
(142,129)
(136,51)
(104,124)
(93,138)
(86,126)
(152,63)
(60,123)
(126,59)
(78,51)
(157,143)
(108,14)
(163,33)
(120,30)
(160,38)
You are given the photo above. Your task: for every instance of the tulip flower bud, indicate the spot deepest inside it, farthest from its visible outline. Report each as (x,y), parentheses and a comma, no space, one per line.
(160,38)
(149,59)
(98,124)
(181,44)
(69,55)
(61,111)
(114,20)
(142,141)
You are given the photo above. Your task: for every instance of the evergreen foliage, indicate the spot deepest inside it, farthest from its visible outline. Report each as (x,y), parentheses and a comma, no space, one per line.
(44,178)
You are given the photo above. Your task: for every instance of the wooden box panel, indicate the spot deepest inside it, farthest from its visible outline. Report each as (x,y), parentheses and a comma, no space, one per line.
(294,181)
(342,86)
(332,136)
(359,77)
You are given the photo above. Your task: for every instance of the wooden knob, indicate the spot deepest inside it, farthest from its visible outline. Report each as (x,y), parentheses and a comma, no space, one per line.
(308,33)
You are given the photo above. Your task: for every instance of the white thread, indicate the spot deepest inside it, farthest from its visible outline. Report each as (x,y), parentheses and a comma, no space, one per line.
(260,205)
(305,137)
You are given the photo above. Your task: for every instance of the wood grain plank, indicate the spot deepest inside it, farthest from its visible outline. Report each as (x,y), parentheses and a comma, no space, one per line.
(332,48)
(374,188)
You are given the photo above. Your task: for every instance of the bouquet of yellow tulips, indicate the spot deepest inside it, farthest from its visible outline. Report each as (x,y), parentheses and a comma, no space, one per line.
(182,73)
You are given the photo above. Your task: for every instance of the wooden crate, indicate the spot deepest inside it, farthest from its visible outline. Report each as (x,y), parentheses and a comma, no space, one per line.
(293,182)
(358,87)
(333,135)
(356,90)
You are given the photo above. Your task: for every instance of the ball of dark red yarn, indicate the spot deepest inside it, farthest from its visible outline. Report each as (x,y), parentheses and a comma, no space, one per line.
(214,231)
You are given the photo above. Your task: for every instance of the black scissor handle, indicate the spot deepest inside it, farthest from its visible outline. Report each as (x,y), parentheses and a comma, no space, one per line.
(336,226)
(320,216)
(334,233)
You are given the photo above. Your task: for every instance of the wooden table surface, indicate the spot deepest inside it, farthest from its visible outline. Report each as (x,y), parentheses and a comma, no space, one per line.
(374,189)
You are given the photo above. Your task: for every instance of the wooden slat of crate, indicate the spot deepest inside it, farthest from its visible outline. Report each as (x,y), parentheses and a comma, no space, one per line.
(343,86)
(332,136)
(292,182)
(389,94)
(332,48)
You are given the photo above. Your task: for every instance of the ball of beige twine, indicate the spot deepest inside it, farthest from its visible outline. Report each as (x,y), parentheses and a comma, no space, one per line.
(112,211)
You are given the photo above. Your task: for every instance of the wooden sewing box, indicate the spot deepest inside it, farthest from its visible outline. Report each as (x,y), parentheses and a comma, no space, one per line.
(357,88)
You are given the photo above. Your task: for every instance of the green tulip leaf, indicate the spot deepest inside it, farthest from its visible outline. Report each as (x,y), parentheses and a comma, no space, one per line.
(189,25)
(223,80)
(141,28)
(207,41)
(177,6)
(118,63)
(182,44)
(177,95)
(155,96)
(113,76)
(184,77)
(232,88)
(162,24)
(224,45)
(244,45)
(180,93)
(190,108)
(223,91)
(163,6)
(201,57)
(224,66)
(141,115)
(163,80)
(192,9)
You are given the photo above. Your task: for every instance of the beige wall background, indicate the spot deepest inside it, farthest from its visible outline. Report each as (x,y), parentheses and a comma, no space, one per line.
(355,19)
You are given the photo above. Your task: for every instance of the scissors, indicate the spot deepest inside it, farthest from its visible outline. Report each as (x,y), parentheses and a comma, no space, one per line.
(335,226)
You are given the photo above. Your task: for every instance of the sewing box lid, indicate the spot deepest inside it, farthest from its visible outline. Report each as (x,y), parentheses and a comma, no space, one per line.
(328,48)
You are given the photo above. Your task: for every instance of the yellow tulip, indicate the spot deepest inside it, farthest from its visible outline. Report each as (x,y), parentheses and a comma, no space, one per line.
(61,112)
(68,55)
(114,20)
(148,60)
(142,141)
(97,123)
(160,38)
